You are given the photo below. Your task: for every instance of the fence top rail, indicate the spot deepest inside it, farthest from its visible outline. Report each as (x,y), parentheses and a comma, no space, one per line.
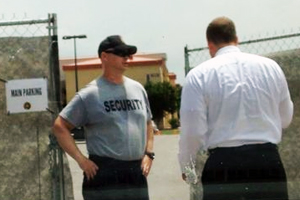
(271,38)
(24,22)
(253,41)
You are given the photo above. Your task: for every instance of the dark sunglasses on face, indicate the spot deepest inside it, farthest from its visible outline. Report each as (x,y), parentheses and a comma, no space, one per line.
(118,53)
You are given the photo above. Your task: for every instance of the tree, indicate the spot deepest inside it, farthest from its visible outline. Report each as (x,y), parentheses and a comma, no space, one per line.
(178,89)
(163,97)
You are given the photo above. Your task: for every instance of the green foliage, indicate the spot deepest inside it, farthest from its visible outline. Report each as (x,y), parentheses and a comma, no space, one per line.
(178,89)
(174,123)
(163,97)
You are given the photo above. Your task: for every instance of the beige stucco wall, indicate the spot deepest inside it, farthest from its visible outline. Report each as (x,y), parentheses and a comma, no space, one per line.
(84,77)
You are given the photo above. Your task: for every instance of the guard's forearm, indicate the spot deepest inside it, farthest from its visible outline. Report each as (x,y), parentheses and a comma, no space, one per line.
(150,137)
(66,141)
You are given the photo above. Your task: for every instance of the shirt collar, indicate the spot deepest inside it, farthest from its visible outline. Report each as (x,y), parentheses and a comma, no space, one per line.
(227,49)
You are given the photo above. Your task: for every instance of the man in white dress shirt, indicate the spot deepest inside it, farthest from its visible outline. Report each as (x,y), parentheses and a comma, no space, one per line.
(235,106)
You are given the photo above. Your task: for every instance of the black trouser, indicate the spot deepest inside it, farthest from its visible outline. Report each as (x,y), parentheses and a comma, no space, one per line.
(244,173)
(116,180)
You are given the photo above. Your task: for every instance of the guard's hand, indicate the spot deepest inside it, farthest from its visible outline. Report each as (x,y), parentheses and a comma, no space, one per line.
(89,167)
(146,165)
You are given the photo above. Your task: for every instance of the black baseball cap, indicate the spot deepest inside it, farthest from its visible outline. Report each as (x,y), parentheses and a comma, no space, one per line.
(114,44)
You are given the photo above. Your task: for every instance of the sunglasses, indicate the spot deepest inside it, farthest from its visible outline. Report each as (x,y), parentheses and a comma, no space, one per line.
(118,53)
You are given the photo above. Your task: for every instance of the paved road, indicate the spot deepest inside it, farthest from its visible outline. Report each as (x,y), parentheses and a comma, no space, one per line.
(164,179)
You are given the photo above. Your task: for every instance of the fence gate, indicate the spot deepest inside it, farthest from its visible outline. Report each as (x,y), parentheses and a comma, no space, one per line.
(31,162)
(285,50)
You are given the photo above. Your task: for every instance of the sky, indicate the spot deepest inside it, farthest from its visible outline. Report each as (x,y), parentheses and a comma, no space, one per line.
(155,26)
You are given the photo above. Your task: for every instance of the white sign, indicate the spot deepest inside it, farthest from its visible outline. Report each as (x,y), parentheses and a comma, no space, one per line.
(26,95)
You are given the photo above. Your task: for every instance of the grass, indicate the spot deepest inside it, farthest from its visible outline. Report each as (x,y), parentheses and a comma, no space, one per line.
(169,132)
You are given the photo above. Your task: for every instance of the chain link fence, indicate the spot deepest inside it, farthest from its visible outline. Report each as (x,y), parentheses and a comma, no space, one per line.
(31,163)
(285,50)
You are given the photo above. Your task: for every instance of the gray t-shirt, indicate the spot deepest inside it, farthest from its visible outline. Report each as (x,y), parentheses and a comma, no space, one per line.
(114,117)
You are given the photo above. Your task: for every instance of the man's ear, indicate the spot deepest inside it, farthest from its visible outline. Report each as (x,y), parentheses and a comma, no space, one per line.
(103,56)
(212,48)
(236,40)
(210,45)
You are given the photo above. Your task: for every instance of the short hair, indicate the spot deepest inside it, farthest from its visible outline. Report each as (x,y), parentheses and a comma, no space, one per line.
(221,30)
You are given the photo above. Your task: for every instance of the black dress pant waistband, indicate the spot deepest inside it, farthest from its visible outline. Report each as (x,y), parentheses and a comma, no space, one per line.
(246,147)
(107,162)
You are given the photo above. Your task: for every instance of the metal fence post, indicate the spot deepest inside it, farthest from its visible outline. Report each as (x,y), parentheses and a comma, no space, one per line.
(56,97)
(186,60)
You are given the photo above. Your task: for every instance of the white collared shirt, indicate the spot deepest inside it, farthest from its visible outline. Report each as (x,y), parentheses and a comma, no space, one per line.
(230,100)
